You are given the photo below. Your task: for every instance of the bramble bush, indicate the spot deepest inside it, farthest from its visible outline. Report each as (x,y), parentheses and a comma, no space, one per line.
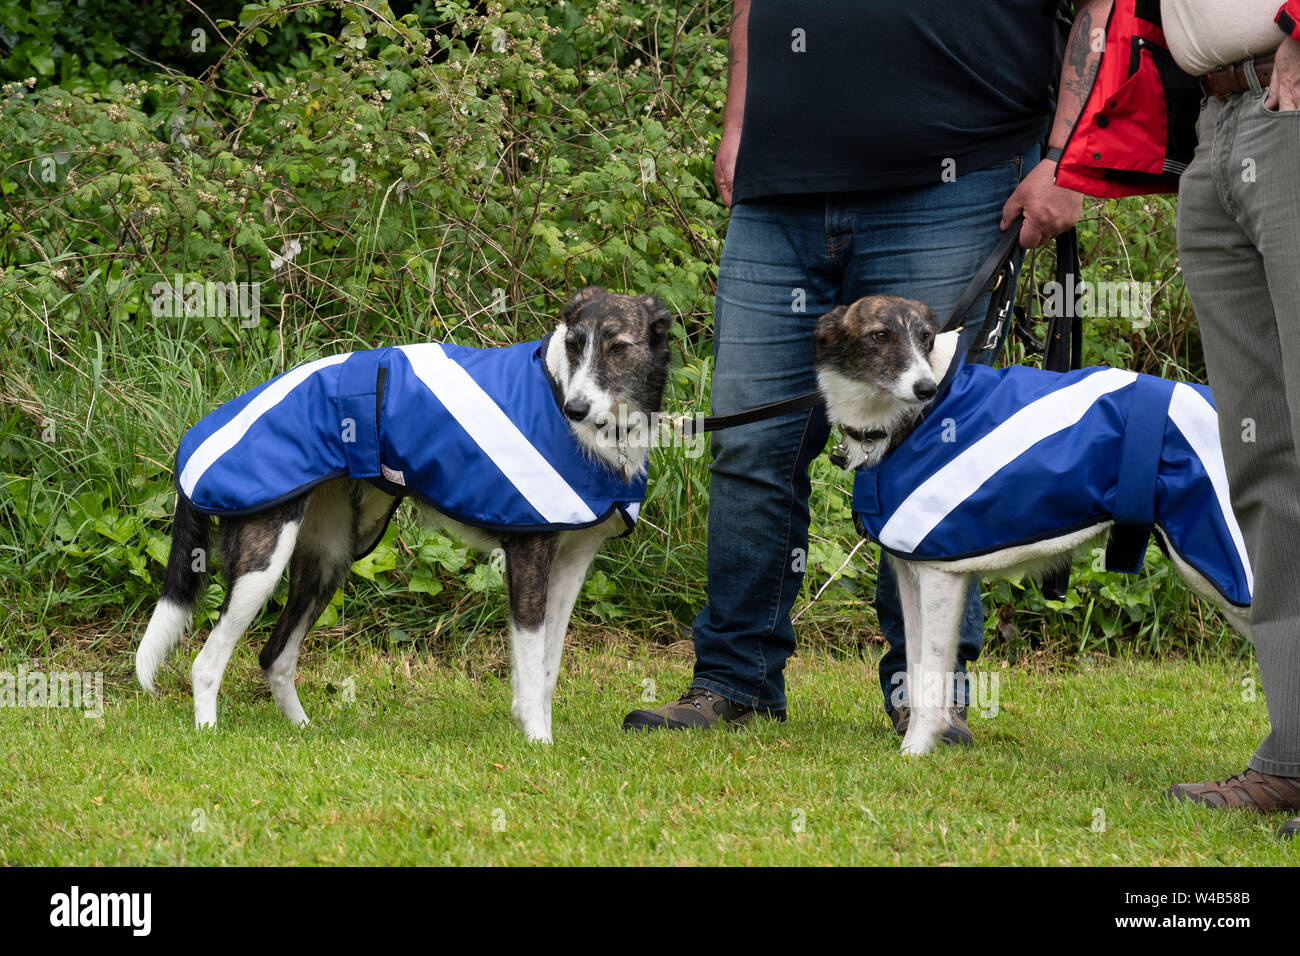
(450,172)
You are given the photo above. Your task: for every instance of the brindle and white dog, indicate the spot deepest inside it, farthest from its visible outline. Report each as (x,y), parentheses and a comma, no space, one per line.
(609,356)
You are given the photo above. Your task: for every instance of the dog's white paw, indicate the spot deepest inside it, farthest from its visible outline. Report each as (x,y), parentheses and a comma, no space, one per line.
(920,741)
(916,749)
(534,725)
(537,734)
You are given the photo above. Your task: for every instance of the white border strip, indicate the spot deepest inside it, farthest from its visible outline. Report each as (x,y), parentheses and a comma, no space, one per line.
(944,491)
(499,438)
(228,435)
(1199,423)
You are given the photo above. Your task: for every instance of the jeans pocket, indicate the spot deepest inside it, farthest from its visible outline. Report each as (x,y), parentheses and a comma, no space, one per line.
(1275,114)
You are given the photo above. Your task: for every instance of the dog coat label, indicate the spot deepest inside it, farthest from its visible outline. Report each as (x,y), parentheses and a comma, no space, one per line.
(476,433)
(1041,454)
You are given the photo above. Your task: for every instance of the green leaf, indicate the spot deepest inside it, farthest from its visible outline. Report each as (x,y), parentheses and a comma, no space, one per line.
(330,615)
(485,577)
(41,62)
(422,583)
(382,559)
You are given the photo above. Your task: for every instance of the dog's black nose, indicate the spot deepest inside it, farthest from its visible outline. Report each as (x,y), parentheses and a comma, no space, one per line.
(924,390)
(576,409)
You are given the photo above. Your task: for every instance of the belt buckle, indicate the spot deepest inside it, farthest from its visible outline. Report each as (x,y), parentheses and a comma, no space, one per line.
(1209,82)
(1235,76)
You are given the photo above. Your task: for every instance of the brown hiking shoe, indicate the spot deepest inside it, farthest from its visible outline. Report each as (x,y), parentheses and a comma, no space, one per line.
(1251,790)
(958,732)
(696,708)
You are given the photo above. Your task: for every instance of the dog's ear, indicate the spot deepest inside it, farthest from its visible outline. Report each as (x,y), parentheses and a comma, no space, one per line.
(932,318)
(580,298)
(660,319)
(830,330)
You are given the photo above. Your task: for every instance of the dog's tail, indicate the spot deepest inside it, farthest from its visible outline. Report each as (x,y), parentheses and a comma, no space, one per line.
(187,570)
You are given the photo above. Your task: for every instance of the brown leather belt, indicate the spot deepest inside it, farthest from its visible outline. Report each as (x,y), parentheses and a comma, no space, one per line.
(1227,80)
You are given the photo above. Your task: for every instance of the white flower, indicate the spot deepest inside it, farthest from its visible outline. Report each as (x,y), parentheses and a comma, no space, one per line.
(288,253)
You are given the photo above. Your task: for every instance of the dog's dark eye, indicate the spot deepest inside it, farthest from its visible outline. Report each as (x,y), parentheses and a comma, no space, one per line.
(880,335)
(616,348)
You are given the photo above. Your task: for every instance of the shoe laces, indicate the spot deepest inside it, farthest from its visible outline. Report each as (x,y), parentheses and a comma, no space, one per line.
(1237,780)
(693,695)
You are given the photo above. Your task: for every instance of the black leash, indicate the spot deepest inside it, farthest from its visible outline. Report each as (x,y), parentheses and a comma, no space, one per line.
(696,426)
(994,274)
(1062,352)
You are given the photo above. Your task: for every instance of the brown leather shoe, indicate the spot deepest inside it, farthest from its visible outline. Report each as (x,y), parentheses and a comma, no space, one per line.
(1251,790)
(696,708)
(958,732)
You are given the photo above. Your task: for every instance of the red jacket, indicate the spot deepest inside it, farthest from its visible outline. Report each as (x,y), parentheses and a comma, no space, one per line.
(1137,131)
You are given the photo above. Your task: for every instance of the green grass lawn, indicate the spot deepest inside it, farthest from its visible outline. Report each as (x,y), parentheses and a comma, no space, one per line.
(425,767)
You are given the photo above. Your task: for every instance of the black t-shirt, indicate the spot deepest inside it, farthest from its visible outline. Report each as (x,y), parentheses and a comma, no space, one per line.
(865,94)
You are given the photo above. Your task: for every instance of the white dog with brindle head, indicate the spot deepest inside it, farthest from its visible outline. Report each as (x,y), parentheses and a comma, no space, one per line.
(879,365)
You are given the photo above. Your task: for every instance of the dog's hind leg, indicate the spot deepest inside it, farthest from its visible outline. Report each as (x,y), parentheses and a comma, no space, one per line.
(256,550)
(528,568)
(941,598)
(313,579)
(325,550)
(572,559)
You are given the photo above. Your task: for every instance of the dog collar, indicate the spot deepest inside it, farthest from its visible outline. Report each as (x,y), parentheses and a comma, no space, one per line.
(857,434)
(840,454)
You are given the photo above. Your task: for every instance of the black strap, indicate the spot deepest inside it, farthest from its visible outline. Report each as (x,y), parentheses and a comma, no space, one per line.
(1064,346)
(996,279)
(857,434)
(694,426)
(988,278)
(1063,351)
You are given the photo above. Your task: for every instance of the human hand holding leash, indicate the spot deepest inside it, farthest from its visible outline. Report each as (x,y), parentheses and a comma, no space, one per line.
(1284,86)
(1049,209)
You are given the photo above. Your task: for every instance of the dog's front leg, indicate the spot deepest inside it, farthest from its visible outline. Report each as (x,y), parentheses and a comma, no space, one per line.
(940,598)
(910,603)
(574,555)
(528,568)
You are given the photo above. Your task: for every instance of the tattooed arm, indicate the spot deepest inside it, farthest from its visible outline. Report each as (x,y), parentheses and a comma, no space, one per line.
(724,164)
(1050,209)
(1082,55)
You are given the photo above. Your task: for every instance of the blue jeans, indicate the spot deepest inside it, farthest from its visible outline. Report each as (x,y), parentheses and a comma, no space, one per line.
(788,260)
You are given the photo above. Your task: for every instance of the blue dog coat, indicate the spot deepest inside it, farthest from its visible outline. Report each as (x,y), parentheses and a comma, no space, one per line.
(477,433)
(1018,455)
